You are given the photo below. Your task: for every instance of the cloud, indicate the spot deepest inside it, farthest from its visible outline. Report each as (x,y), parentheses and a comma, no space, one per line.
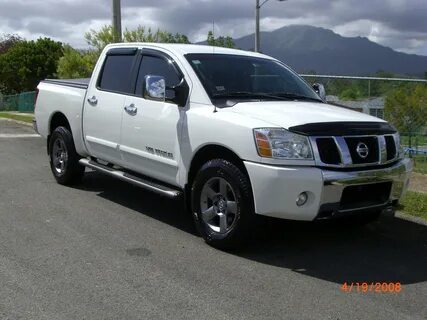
(400,24)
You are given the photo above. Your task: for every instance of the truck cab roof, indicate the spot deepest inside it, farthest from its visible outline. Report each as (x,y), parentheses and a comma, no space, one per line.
(188,48)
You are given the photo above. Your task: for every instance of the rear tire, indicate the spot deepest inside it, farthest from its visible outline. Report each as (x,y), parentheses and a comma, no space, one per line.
(222,204)
(64,160)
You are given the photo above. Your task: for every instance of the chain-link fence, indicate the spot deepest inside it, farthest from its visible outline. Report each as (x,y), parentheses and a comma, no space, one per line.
(418,150)
(402,102)
(23,102)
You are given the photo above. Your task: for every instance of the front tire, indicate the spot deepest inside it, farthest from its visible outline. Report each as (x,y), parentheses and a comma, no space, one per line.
(222,204)
(64,160)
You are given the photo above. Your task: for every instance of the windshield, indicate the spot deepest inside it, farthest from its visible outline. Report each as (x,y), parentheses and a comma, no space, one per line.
(242,77)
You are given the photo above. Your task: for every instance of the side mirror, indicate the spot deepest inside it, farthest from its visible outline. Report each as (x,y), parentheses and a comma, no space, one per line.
(155,88)
(320,90)
(180,93)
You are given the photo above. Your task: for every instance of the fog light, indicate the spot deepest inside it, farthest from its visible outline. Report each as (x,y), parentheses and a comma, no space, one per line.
(302,199)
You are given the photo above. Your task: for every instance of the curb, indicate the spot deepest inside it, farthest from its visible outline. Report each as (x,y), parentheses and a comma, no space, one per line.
(17,121)
(410,218)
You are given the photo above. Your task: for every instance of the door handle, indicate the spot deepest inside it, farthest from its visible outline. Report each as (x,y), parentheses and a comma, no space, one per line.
(93,101)
(131,109)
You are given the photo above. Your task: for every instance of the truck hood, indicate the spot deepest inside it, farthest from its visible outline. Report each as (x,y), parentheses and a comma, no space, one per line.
(287,114)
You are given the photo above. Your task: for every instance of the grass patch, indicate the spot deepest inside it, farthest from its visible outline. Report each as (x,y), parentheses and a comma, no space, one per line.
(420,163)
(417,140)
(415,204)
(14,116)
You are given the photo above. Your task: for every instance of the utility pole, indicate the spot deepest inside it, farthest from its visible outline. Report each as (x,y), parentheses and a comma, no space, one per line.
(117,21)
(258,6)
(257,26)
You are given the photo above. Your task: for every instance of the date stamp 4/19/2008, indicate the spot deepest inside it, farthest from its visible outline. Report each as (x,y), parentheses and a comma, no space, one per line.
(375,287)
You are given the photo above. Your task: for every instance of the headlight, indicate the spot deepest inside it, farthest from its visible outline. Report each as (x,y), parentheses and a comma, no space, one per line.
(282,144)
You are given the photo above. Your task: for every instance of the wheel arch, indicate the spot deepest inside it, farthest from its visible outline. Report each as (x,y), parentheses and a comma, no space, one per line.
(210,152)
(58,119)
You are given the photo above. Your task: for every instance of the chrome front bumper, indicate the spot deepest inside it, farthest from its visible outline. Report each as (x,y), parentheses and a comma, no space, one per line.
(276,188)
(335,183)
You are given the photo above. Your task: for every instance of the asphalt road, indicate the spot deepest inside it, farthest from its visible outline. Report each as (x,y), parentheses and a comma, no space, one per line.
(108,250)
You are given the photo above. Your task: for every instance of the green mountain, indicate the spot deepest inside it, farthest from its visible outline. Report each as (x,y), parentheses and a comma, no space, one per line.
(313,49)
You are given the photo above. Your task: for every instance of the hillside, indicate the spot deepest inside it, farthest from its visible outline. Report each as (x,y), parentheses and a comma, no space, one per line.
(307,49)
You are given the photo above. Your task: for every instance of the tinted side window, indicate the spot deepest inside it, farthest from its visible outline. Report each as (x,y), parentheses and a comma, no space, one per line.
(158,67)
(116,73)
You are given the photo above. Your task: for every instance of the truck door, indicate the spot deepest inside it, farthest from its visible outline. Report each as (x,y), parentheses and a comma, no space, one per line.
(103,109)
(151,129)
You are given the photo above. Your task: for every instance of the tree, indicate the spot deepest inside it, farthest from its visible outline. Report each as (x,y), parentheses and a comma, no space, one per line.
(349,94)
(142,34)
(406,108)
(75,64)
(27,62)
(8,41)
(99,39)
(226,42)
(211,39)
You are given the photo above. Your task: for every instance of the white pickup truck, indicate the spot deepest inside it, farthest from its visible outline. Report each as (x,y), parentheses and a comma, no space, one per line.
(234,133)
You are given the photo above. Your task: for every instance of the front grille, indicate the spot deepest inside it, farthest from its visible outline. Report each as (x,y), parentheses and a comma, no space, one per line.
(361,196)
(355,151)
(361,143)
(328,151)
(391,147)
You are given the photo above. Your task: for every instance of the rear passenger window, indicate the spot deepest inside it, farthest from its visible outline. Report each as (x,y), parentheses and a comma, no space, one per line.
(158,67)
(116,73)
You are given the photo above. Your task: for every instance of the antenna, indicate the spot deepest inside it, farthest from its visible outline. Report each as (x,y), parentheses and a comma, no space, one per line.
(213,36)
(213,50)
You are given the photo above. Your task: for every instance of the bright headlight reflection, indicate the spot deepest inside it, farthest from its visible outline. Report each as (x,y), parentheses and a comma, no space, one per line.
(281,144)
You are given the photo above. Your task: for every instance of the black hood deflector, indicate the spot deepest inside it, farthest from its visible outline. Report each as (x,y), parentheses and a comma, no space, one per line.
(344,128)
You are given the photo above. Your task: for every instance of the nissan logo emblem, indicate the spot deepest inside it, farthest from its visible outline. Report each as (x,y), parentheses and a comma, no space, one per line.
(362,150)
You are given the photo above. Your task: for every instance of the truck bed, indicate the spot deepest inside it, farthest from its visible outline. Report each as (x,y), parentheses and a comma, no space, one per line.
(76,83)
(65,97)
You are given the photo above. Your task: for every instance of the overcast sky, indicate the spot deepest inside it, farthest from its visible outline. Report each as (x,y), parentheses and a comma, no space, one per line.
(400,24)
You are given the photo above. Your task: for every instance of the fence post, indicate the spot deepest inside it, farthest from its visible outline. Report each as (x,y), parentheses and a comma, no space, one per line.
(369,89)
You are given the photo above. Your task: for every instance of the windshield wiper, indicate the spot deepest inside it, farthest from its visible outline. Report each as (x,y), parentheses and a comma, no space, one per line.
(260,95)
(249,95)
(295,96)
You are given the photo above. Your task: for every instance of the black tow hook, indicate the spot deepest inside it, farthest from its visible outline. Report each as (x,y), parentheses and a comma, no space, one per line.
(389,211)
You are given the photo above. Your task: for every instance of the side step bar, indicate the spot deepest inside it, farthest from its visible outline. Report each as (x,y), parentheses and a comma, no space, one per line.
(140,182)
